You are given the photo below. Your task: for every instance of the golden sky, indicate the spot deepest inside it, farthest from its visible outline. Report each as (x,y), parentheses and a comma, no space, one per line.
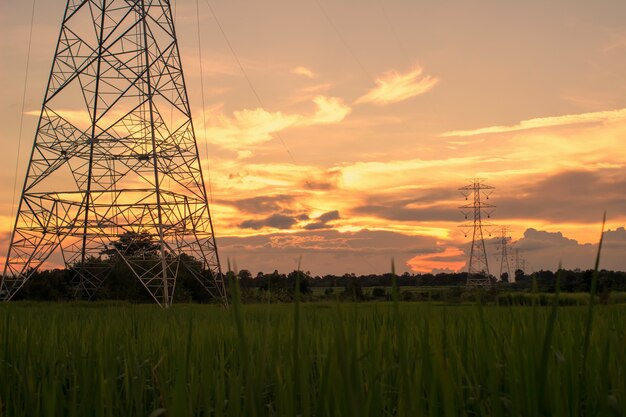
(368,115)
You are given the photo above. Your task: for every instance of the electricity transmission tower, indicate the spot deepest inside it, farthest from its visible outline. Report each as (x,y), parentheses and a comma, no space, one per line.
(477,192)
(520,262)
(505,264)
(114,175)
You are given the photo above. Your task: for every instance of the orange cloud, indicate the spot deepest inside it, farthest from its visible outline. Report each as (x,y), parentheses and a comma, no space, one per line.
(394,87)
(304,71)
(392,174)
(570,119)
(449,259)
(251,127)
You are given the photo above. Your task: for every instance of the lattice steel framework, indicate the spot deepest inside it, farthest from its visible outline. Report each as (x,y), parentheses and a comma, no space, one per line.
(505,262)
(115,158)
(478,266)
(520,262)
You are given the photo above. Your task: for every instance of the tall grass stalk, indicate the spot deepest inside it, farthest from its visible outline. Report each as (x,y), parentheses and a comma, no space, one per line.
(589,325)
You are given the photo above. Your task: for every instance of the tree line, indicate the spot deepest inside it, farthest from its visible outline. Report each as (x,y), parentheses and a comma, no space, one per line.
(56,285)
(122,284)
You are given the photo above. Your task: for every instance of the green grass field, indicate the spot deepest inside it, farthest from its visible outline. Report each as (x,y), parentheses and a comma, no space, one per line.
(311,359)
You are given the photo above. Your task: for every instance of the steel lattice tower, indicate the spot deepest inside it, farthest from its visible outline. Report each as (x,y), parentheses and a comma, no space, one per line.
(114,170)
(478,269)
(520,262)
(505,264)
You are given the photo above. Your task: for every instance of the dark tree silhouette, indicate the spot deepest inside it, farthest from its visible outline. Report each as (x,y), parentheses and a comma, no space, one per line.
(133,244)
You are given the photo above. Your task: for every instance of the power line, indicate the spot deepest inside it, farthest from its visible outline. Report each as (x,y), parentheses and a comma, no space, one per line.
(343,40)
(19,135)
(401,47)
(245,74)
(206,143)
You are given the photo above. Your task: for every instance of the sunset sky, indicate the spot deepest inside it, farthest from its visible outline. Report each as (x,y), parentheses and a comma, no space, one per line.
(359,120)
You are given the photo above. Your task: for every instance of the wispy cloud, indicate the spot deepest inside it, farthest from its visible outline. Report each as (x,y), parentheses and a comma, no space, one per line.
(542,122)
(304,71)
(250,127)
(393,87)
(329,110)
(315,88)
(308,93)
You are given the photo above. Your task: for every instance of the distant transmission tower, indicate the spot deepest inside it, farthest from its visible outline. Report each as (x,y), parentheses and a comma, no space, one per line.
(114,176)
(505,264)
(520,262)
(477,192)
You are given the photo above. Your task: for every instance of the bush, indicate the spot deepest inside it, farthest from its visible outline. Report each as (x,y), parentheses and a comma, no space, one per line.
(379,292)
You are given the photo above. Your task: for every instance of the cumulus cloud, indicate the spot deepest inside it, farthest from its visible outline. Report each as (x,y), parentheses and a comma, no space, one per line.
(543,122)
(615,239)
(251,127)
(538,240)
(546,250)
(304,71)
(393,87)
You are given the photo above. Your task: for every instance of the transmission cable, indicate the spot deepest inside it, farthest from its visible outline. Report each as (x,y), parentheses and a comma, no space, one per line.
(23,107)
(245,74)
(206,142)
(399,42)
(403,49)
(343,40)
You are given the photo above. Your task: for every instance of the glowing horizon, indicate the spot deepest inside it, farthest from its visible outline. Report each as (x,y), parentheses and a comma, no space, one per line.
(351,145)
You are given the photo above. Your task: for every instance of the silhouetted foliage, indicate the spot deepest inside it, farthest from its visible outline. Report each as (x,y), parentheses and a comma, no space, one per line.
(55,285)
(50,285)
(120,282)
(133,244)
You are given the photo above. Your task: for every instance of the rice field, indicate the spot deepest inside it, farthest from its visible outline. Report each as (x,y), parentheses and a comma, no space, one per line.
(312,359)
